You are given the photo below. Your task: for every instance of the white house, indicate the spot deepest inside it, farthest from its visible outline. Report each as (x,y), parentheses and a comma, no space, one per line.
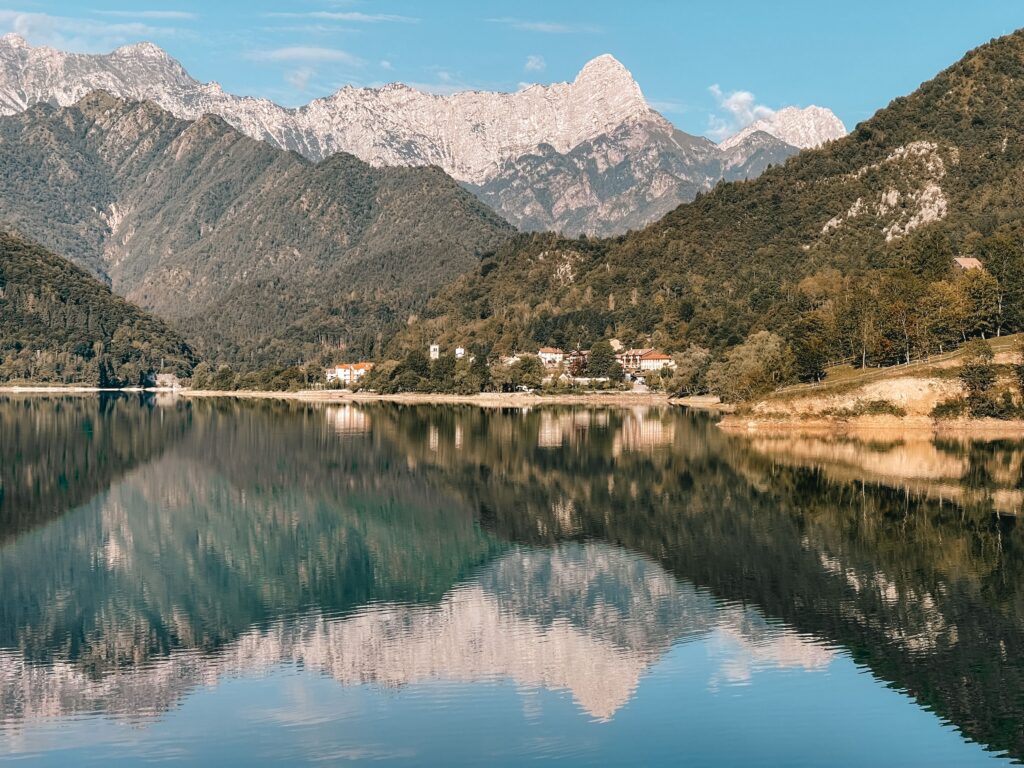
(630,359)
(348,373)
(551,356)
(460,352)
(652,360)
(167,381)
(435,351)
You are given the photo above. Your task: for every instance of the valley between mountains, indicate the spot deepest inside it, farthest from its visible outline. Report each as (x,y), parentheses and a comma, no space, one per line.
(372,224)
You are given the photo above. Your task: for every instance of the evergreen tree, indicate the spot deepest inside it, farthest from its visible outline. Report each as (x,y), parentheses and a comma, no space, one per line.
(602,363)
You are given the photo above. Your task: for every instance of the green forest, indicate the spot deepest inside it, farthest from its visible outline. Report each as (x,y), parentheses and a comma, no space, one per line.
(59,325)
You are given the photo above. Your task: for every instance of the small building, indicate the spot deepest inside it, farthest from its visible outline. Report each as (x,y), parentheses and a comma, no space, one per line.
(435,351)
(551,356)
(460,352)
(630,358)
(348,373)
(167,381)
(967,263)
(653,360)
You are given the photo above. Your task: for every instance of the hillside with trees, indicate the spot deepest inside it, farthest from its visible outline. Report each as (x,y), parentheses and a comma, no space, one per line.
(258,255)
(843,253)
(60,325)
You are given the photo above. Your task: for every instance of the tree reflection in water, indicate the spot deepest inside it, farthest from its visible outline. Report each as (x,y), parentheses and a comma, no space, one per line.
(567,548)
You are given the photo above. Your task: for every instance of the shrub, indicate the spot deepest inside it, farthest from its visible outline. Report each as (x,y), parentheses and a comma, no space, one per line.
(759,365)
(950,409)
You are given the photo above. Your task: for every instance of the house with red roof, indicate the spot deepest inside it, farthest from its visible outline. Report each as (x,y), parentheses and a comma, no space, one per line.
(551,356)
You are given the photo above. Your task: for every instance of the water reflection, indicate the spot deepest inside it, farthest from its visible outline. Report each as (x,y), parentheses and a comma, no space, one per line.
(981,474)
(585,618)
(565,550)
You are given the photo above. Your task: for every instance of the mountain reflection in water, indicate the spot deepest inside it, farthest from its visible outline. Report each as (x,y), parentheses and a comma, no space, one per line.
(149,550)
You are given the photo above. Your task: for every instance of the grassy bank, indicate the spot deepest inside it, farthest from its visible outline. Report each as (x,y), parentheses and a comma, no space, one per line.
(900,397)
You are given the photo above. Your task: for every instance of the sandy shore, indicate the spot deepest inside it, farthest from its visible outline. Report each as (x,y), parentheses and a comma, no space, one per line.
(484,399)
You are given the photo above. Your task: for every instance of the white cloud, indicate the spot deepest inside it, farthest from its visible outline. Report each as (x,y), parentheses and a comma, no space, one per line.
(299,78)
(385,64)
(155,15)
(547,27)
(535,63)
(740,110)
(76,34)
(307,29)
(356,16)
(309,53)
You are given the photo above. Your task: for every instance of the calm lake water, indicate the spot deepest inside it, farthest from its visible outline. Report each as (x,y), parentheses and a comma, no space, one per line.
(252,583)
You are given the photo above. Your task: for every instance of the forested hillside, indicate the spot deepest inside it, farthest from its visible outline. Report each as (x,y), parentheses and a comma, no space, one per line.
(258,254)
(60,325)
(846,251)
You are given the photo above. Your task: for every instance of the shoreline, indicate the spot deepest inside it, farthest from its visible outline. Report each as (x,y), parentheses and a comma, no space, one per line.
(485,399)
(858,427)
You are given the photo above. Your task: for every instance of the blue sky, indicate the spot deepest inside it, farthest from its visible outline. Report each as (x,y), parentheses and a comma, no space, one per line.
(851,57)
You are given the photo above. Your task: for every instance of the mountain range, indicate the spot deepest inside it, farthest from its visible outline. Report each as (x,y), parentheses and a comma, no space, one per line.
(258,254)
(261,256)
(590,156)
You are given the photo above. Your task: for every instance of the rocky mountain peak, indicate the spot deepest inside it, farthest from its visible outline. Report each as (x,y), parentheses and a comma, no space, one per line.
(13,40)
(608,80)
(605,69)
(143,49)
(805,128)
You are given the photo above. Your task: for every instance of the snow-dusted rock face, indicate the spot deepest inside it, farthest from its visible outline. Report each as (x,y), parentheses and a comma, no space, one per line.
(468,134)
(804,128)
(588,156)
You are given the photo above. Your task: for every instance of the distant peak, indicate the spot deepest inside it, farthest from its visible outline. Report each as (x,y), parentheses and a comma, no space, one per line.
(143,48)
(606,77)
(801,127)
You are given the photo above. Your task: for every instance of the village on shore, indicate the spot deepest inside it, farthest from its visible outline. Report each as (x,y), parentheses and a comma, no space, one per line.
(553,366)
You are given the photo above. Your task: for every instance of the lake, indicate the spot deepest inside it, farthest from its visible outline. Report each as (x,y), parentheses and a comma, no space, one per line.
(228,582)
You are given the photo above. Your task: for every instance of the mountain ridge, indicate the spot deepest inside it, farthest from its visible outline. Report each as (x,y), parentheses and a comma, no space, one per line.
(258,254)
(489,141)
